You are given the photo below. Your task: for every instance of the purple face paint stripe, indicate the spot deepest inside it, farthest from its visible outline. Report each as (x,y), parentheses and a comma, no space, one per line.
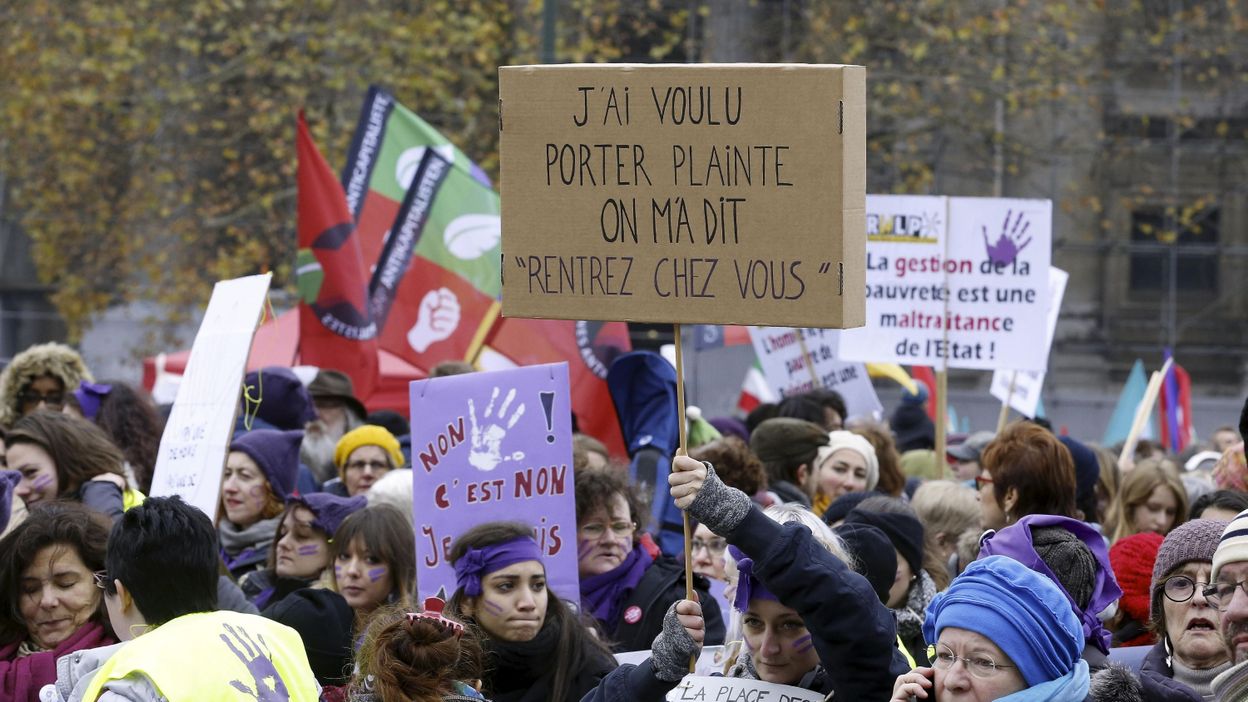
(41,481)
(584,549)
(803,644)
(309,550)
(491,607)
(374,574)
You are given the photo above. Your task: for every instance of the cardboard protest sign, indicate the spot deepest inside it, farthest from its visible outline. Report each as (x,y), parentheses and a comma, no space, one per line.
(712,193)
(488,447)
(799,360)
(197,434)
(959,281)
(697,688)
(1028,384)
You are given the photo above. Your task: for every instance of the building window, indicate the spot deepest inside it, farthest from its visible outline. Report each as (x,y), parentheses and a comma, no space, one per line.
(1197,249)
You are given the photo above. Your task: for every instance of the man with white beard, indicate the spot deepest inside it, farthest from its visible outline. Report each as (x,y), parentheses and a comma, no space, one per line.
(337,412)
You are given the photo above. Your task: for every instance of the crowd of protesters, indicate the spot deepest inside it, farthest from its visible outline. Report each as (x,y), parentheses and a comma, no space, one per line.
(829,553)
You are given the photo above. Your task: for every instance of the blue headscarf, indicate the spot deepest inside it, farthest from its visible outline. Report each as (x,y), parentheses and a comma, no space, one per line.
(1016,608)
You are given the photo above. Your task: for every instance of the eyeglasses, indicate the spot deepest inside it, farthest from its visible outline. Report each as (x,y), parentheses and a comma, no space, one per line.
(101,579)
(714,546)
(31,398)
(981,481)
(377,466)
(981,666)
(1181,588)
(594,530)
(1221,594)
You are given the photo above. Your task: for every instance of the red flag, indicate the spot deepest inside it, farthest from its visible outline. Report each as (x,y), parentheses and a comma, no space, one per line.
(1182,411)
(588,347)
(336,327)
(925,375)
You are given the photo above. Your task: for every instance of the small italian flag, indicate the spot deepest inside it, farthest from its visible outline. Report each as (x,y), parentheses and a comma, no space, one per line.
(754,390)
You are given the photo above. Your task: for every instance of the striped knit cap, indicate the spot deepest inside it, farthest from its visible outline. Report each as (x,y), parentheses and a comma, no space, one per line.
(1233,546)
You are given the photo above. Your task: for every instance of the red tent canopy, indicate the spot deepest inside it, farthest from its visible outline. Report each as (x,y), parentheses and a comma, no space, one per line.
(277,344)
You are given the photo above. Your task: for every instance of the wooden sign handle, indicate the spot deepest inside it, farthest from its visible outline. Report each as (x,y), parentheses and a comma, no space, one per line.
(683,450)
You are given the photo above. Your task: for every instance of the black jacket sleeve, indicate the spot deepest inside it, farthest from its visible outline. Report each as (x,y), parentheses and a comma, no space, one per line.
(854,633)
(103,497)
(630,683)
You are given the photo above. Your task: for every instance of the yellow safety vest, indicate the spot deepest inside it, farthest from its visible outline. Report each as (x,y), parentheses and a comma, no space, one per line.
(216,656)
(131,499)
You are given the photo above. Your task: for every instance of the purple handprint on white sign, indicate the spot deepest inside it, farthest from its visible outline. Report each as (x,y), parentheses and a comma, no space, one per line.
(1011,242)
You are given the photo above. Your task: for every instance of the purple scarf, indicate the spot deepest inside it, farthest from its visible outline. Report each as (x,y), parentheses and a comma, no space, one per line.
(602,595)
(748,586)
(1014,541)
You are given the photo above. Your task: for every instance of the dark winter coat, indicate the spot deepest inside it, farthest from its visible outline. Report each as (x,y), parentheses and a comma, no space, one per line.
(853,631)
(662,586)
(525,671)
(1157,677)
(630,683)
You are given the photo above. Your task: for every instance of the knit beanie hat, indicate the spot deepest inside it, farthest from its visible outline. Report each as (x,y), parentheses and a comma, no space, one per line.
(874,557)
(8,482)
(1196,540)
(1232,545)
(1087,469)
(1133,559)
(324,621)
(838,440)
(903,531)
(1054,555)
(277,455)
(787,442)
(840,507)
(1019,610)
(367,435)
(700,432)
(911,425)
(283,401)
(328,510)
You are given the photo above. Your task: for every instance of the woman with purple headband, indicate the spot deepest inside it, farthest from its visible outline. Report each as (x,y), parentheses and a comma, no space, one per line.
(536,648)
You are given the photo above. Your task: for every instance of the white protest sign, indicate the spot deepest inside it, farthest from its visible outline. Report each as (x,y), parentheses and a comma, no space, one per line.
(797,360)
(1028,384)
(716,689)
(710,660)
(958,280)
(197,435)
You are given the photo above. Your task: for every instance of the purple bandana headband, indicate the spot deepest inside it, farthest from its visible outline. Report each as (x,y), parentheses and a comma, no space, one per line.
(748,586)
(480,562)
(89,396)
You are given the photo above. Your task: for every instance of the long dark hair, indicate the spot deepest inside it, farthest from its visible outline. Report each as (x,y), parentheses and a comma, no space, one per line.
(80,449)
(129,418)
(56,523)
(576,647)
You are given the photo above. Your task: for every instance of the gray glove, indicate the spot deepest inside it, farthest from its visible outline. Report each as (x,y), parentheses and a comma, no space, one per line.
(672,649)
(719,507)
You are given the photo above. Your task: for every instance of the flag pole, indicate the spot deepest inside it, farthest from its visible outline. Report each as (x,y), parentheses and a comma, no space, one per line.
(1005,404)
(483,330)
(683,450)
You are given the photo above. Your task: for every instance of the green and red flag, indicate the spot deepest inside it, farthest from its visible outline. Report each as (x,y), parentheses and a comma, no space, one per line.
(336,327)
(428,224)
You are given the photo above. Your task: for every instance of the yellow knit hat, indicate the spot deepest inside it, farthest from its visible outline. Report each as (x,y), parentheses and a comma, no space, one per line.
(367,435)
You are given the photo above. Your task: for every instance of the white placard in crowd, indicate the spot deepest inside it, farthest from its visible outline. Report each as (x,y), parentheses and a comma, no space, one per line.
(698,688)
(197,435)
(960,280)
(710,660)
(1028,384)
(797,360)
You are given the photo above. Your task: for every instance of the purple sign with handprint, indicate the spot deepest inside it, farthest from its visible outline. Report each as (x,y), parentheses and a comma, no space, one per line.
(489,447)
(960,282)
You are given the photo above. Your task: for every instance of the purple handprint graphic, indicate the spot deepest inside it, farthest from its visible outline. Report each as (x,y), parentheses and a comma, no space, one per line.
(1011,242)
(256,656)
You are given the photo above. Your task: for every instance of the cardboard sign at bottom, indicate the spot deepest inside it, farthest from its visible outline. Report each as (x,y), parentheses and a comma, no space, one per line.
(697,688)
